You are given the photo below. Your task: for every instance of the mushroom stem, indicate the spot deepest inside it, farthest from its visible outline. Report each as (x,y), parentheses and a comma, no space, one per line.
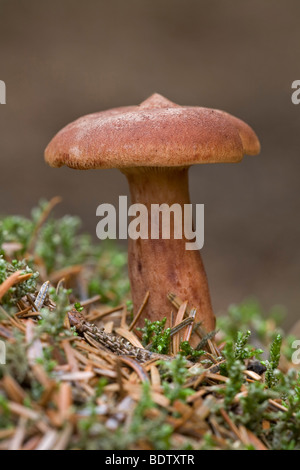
(164,265)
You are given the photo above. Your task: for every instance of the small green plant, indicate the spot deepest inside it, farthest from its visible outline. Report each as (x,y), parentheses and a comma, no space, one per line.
(18,291)
(16,229)
(241,351)
(187,350)
(235,355)
(254,405)
(273,361)
(174,374)
(154,333)
(78,307)
(233,369)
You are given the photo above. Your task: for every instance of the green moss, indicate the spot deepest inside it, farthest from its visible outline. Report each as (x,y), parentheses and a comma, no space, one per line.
(155,334)
(174,374)
(273,361)
(187,351)
(18,291)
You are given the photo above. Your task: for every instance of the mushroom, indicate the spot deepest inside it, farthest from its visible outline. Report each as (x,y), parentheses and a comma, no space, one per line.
(154,144)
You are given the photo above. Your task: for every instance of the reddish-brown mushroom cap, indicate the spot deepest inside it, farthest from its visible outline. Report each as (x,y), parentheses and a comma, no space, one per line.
(156,133)
(139,140)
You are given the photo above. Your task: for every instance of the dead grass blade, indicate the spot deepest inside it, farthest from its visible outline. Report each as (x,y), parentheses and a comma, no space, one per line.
(140,311)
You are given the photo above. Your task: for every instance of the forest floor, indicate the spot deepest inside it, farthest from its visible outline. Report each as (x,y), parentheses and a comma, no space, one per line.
(78,374)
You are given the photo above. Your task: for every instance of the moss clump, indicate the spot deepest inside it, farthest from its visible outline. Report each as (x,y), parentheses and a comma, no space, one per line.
(155,334)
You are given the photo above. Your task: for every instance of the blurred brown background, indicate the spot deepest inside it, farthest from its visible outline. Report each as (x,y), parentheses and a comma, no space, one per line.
(65,58)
